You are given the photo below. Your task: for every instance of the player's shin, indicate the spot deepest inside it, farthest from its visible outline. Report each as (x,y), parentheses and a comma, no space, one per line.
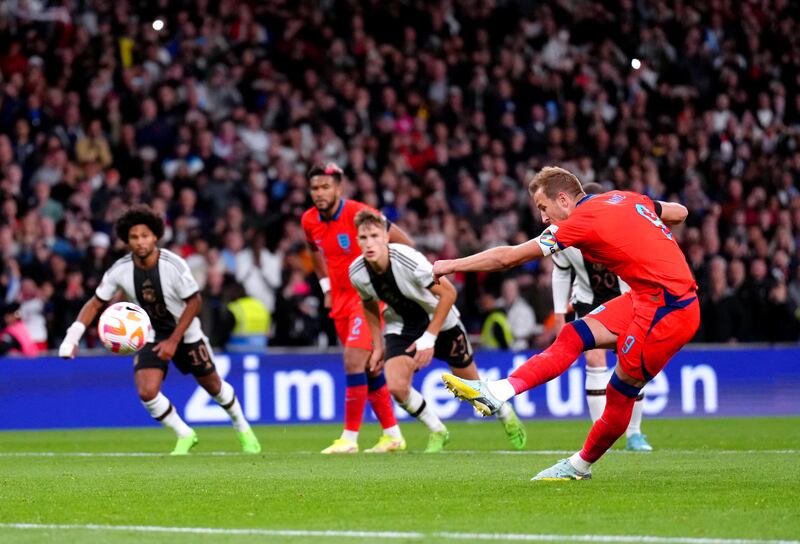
(417,407)
(620,398)
(355,401)
(574,339)
(226,398)
(162,410)
(596,382)
(381,401)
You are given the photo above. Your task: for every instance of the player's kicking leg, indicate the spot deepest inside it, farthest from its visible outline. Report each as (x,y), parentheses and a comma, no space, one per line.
(399,370)
(149,372)
(453,347)
(197,358)
(513,427)
(574,338)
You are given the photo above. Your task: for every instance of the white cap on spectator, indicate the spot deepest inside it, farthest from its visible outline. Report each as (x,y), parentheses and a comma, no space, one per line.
(100,239)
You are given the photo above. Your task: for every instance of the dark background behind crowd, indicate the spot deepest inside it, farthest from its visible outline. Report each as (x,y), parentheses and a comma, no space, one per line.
(439,112)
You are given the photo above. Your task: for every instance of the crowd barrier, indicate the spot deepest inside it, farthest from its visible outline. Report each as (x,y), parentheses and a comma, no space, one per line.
(294,388)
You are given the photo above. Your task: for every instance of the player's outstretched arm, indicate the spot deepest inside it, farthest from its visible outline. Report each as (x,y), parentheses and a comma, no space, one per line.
(491,260)
(672,213)
(398,235)
(69,346)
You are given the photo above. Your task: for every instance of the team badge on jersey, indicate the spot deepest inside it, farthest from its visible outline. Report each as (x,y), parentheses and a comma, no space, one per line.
(148,292)
(616,199)
(344,241)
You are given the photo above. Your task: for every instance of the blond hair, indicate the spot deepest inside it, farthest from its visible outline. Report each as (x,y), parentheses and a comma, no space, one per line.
(368,217)
(553,180)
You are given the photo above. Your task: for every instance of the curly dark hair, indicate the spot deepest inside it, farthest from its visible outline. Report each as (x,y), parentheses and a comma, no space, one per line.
(139,215)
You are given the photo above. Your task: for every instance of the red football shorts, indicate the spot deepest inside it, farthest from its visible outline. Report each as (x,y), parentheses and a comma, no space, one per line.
(353,330)
(651,328)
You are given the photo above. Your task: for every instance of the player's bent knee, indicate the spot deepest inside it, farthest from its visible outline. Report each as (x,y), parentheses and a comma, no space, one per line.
(147,392)
(211,383)
(398,371)
(400,391)
(581,328)
(355,360)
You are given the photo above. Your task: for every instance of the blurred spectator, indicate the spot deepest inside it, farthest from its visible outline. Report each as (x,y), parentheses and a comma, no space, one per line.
(723,314)
(14,336)
(521,318)
(496,331)
(215,316)
(297,313)
(32,310)
(251,322)
(93,147)
(259,271)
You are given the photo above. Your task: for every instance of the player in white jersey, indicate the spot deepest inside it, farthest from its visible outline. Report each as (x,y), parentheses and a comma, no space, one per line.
(160,282)
(587,285)
(421,322)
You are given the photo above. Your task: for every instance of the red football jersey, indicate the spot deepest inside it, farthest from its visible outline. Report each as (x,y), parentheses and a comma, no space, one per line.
(337,241)
(622,231)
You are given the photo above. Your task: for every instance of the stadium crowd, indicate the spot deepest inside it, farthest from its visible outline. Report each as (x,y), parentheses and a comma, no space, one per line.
(439,113)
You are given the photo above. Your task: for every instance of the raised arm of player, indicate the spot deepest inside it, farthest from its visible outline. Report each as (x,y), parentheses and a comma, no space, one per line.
(398,235)
(167,348)
(491,260)
(424,346)
(69,346)
(372,313)
(671,213)
(321,270)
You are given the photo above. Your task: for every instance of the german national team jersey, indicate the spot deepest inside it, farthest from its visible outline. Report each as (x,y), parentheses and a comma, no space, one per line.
(405,288)
(161,291)
(622,231)
(337,241)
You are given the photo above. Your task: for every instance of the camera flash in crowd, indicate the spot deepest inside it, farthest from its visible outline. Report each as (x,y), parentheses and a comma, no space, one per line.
(635,63)
(158,24)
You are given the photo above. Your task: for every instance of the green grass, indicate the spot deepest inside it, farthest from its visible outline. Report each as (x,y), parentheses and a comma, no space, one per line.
(708,478)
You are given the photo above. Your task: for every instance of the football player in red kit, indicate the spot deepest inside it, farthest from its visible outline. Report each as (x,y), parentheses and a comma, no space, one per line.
(628,233)
(331,235)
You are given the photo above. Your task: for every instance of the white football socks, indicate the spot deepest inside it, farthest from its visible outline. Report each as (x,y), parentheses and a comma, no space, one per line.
(596,381)
(352,436)
(416,407)
(578,462)
(502,390)
(227,399)
(162,410)
(635,426)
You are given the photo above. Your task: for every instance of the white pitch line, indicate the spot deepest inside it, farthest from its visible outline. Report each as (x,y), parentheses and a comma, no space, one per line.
(411,535)
(446,452)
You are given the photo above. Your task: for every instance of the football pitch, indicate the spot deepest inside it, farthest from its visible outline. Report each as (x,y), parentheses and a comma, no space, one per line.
(709,481)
